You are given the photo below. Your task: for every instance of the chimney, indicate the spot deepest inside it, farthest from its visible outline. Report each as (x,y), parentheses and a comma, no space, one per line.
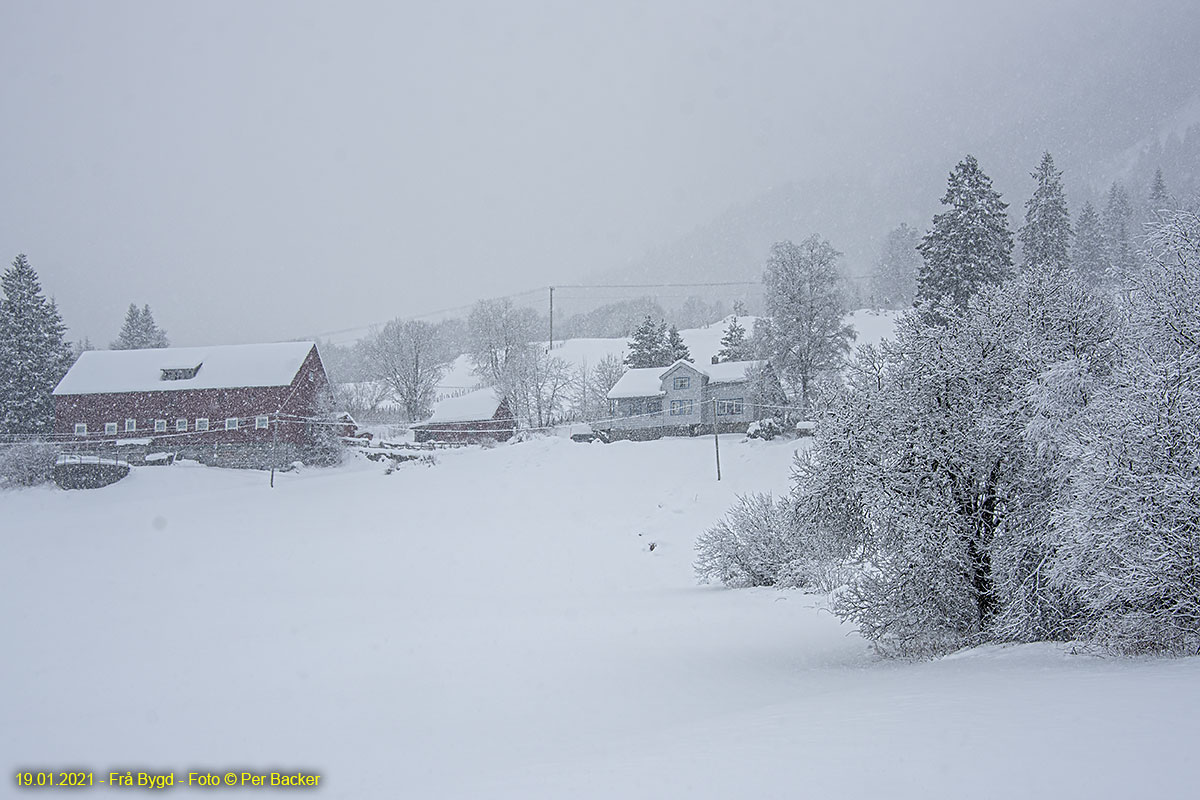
(715,360)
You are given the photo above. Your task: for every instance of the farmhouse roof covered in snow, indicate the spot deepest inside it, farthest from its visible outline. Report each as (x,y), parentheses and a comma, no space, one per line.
(647,381)
(179,368)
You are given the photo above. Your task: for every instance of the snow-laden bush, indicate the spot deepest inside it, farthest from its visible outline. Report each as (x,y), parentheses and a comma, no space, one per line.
(27,464)
(753,545)
(766,429)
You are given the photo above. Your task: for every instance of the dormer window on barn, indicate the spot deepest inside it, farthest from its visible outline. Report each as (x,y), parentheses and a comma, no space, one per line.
(180,373)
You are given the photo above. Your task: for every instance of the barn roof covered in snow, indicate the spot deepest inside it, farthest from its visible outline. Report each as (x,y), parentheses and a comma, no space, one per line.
(481,404)
(175,369)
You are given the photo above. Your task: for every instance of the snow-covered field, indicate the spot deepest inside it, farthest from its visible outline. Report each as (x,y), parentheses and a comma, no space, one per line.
(497,625)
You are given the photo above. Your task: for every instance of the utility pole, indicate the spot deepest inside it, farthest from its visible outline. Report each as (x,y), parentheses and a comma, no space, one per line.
(716,439)
(274,448)
(551,319)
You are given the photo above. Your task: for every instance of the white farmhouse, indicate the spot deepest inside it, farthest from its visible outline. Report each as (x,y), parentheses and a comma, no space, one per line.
(686,399)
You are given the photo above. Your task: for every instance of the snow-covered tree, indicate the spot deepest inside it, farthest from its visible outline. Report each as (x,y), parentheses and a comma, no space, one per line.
(140,331)
(33,354)
(537,386)
(1132,514)
(1118,245)
(1159,198)
(648,346)
(969,245)
(678,351)
(894,284)
(735,346)
(499,332)
(807,337)
(405,355)
(1046,235)
(1090,256)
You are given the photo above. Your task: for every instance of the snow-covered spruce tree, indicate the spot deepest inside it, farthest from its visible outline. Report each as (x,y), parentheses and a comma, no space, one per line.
(807,337)
(1133,511)
(33,353)
(1118,244)
(648,346)
(1046,235)
(969,245)
(675,345)
(894,284)
(140,331)
(1159,198)
(735,346)
(1089,257)
(405,355)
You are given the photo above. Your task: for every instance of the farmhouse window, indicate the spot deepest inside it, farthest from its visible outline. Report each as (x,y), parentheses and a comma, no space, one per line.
(261,422)
(683,382)
(160,426)
(201,423)
(181,425)
(231,423)
(131,426)
(731,407)
(81,429)
(681,408)
(612,407)
(654,406)
(110,429)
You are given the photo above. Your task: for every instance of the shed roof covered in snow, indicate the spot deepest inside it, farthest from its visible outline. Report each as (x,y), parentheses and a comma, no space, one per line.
(640,382)
(170,369)
(471,407)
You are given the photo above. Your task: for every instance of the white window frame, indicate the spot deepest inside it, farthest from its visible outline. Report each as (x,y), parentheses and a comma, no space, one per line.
(130,425)
(231,423)
(682,382)
(181,425)
(110,429)
(262,422)
(81,429)
(682,408)
(731,407)
(160,426)
(201,423)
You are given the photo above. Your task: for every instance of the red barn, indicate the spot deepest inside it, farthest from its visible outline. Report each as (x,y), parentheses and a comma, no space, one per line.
(235,405)
(475,417)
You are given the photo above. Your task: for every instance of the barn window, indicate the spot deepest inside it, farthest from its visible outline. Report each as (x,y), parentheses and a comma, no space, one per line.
(131,426)
(262,422)
(181,425)
(160,426)
(110,429)
(231,423)
(201,423)
(81,429)
(180,373)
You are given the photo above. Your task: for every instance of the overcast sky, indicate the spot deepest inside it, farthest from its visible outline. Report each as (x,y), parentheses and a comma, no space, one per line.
(264,171)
